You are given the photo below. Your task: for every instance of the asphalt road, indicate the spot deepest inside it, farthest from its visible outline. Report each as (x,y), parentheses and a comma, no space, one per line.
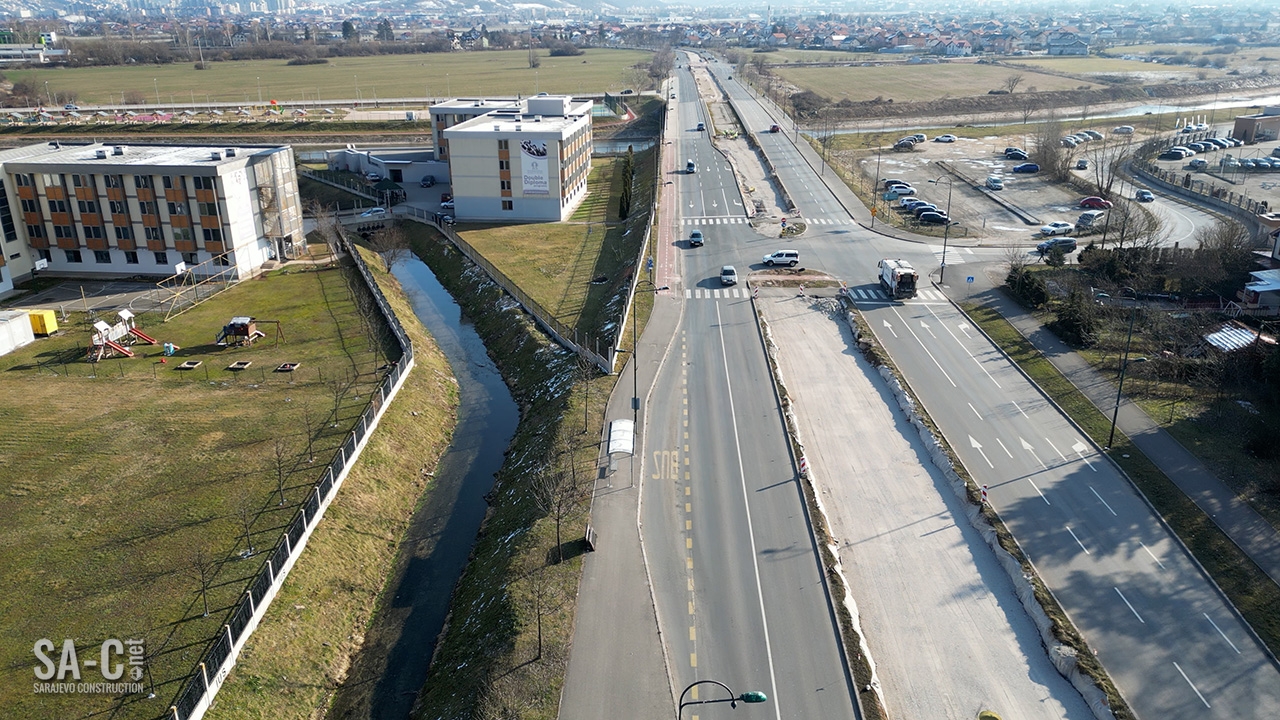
(1174,646)
(736,577)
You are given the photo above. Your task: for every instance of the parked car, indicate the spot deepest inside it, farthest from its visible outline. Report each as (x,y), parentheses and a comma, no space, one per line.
(373,177)
(695,238)
(1067,244)
(920,137)
(888,183)
(1026,168)
(728,276)
(1015,155)
(1013,149)
(1198,164)
(1069,142)
(948,138)
(1096,203)
(1123,130)
(934,218)
(1144,196)
(1082,164)
(71,106)
(1171,155)
(909,203)
(446,219)
(924,208)
(374,212)
(1184,149)
(1230,162)
(446,205)
(1222,143)
(782,257)
(1057,227)
(446,197)
(903,190)
(428,181)
(904,145)
(1095,134)
(994,183)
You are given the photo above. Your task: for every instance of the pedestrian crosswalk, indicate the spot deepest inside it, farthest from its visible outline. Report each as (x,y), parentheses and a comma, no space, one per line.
(716,293)
(869,294)
(734,220)
(955,255)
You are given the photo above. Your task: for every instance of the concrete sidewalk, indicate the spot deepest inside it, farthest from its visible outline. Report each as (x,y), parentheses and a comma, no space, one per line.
(1246,528)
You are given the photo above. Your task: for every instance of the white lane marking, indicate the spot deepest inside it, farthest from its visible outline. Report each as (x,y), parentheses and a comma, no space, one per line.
(964,328)
(1126,602)
(1193,685)
(926,329)
(1153,555)
(688,293)
(1080,447)
(1055,449)
(1224,635)
(1015,404)
(1086,552)
(962,347)
(975,410)
(751,533)
(926,350)
(1104,502)
(895,334)
(1005,449)
(977,446)
(1027,446)
(1037,487)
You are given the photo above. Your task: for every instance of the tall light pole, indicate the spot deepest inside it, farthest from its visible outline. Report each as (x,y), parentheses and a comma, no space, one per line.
(635,349)
(753,696)
(156,84)
(875,187)
(259,89)
(1124,364)
(946,229)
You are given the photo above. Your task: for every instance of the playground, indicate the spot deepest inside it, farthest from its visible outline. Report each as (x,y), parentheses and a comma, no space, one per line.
(137,491)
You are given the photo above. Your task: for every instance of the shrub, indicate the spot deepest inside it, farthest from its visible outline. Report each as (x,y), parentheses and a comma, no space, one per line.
(308,61)
(1027,287)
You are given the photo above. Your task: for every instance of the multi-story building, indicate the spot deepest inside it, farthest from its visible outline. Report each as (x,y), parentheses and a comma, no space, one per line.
(120,210)
(526,160)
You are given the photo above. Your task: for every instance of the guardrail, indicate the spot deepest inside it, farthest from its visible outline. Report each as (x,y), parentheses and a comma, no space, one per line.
(195,696)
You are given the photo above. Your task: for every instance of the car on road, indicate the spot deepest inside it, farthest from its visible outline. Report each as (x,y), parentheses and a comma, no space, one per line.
(1057,227)
(71,106)
(1015,154)
(374,212)
(1067,244)
(1096,203)
(1144,196)
(1013,149)
(1026,168)
(948,138)
(728,276)
(446,219)
(1082,164)
(934,217)
(1123,130)
(702,126)
(790,258)
(446,197)
(446,205)
(994,183)
(775,128)
(428,181)
(696,239)
(373,177)
(1172,154)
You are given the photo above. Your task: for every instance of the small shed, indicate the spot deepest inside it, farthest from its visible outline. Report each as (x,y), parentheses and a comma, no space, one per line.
(15,331)
(43,322)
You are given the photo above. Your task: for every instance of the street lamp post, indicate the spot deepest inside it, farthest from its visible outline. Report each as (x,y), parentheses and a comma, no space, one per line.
(635,349)
(733,700)
(156,84)
(1124,365)
(259,89)
(946,230)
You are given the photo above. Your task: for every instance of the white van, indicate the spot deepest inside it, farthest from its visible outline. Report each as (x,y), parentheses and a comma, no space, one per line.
(782,257)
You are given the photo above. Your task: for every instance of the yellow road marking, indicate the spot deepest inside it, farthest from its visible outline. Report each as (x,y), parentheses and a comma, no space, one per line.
(688,543)
(688,507)
(688,524)
(693,659)
(692,634)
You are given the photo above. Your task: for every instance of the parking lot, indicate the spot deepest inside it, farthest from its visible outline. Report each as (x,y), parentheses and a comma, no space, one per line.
(1260,183)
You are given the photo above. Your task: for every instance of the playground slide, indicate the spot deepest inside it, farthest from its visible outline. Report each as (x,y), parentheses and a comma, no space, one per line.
(119,348)
(143,336)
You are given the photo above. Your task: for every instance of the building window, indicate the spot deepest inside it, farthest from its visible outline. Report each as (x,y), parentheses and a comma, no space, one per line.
(203,183)
(508,205)
(35,231)
(503,145)
(177,208)
(124,232)
(44,255)
(118,208)
(57,206)
(210,209)
(93,232)
(32,206)
(15,256)
(142,181)
(24,180)
(212,235)
(87,206)
(183,234)
(130,257)
(506,184)
(153,233)
(102,257)
(81,181)
(162,258)
(168,182)
(63,231)
(504,164)
(73,256)
(147,208)
(191,258)
(222,261)
(113,181)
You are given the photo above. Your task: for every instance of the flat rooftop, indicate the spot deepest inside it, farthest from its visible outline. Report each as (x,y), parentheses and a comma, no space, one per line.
(177,156)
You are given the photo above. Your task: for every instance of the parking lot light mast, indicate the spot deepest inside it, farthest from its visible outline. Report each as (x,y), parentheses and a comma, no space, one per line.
(1124,365)
(946,229)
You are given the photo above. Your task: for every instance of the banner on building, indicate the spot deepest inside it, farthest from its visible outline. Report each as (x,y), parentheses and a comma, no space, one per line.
(534,167)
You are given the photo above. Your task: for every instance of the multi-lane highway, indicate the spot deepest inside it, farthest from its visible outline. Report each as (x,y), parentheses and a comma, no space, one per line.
(1174,646)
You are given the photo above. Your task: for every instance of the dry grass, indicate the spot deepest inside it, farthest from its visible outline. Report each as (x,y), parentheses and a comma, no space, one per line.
(907,83)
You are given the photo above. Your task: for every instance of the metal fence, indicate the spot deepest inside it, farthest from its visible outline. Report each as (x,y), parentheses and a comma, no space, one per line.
(200,687)
(342,180)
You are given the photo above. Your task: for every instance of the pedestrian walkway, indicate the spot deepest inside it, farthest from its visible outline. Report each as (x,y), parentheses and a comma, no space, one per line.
(1246,528)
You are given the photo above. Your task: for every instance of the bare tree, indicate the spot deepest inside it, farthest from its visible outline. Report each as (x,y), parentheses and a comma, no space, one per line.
(246,513)
(1028,105)
(392,243)
(1012,82)
(310,424)
(1048,151)
(280,464)
(585,371)
(202,568)
(326,226)
(557,494)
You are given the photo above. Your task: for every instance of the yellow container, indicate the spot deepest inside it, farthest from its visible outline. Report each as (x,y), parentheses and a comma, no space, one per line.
(43,322)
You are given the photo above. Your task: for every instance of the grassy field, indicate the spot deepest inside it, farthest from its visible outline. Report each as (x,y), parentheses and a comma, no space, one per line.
(123,479)
(305,644)
(1110,66)
(504,72)
(907,83)
(1250,590)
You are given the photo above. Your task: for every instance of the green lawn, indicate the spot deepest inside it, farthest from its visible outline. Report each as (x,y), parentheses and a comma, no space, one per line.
(907,83)
(115,475)
(494,73)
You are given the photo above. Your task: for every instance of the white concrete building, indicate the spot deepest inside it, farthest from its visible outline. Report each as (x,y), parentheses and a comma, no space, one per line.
(121,210)
(522,161)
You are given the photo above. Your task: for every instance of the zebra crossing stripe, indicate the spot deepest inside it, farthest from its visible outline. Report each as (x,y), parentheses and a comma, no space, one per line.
(688,293)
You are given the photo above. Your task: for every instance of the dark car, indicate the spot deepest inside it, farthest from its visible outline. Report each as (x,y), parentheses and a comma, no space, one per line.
(1016,155)
(428,181)
(1013,149)
(1144,196)
(934,218)
(1026,168)
(923,208)
(1067,244)
(1171,155)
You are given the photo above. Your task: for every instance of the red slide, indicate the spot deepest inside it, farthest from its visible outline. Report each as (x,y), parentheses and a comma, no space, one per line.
(119,348)
(143,336)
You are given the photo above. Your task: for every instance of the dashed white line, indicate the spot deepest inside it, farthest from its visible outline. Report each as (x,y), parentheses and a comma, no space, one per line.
(1126,602)
(1104,502)
(1153,555)
(1086,552)
(975,412)
(1005,449)
(1037,487)
(1224,635)
(1193,685)
(1015,404)
(1055,449)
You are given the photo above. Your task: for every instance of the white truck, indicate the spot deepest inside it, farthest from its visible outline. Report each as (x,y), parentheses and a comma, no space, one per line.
(898,278)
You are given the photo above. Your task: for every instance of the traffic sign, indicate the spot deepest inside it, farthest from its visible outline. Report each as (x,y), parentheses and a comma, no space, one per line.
(969,279)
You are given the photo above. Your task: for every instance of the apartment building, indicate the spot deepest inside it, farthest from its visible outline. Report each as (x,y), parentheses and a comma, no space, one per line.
(122,210)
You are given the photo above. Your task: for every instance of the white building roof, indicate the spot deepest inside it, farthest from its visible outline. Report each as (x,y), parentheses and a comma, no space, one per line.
(1264,281)
(177,156)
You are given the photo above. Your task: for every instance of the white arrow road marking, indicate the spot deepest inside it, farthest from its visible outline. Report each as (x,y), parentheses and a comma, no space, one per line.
(1005,449)
(1104,502)
(1085,549)
(1027,446)
(1153,555)
(964,328)
(978,447)
(1080,447)
(926,329)
(1135,612)
(1224,635)
(890,328)
(1193,686)
(1055,449)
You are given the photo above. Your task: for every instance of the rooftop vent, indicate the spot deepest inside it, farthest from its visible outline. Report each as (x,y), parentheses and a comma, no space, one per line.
(537,118)
(231,152)
(117,150)
(215,155)
(101,154)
